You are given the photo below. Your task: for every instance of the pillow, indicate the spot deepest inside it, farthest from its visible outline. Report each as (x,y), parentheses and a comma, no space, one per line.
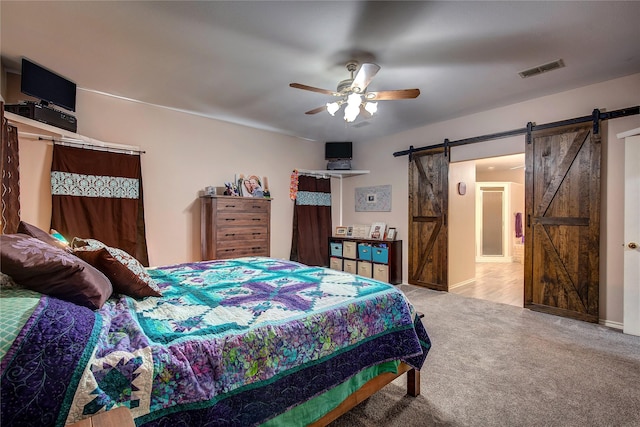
(121,256)
(56,235)
(7,282)
(123,279)
(78,243)
(33,231)
(51,270)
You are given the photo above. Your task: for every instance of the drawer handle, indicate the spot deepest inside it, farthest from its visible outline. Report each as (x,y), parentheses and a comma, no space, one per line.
(229,250)
(256,248)
(230,234)
(255,219)
(229,206)
(229,219)
(257,207)
(256,234)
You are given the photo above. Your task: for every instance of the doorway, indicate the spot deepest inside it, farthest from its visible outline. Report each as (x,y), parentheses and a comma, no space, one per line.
(493,261)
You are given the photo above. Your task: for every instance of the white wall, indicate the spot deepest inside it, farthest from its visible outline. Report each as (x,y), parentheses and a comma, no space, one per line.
(376,155)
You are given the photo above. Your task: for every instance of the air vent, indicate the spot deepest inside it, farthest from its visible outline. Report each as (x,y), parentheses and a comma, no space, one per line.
(542,69)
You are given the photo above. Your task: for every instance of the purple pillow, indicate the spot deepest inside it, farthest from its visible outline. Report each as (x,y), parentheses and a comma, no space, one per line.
(51,270)
(33,231)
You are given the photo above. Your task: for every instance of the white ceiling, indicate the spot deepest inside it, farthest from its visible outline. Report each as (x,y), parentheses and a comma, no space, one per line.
(234,60)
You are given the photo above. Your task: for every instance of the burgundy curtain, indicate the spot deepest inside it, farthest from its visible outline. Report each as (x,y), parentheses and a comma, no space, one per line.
(312,221)
(9,169)
(98,194)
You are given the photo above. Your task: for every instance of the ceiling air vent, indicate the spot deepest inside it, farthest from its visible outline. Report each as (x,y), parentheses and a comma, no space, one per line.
(542,69)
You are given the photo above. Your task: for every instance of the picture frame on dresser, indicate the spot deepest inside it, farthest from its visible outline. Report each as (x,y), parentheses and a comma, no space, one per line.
(341,231)
(391,233)
(376,232)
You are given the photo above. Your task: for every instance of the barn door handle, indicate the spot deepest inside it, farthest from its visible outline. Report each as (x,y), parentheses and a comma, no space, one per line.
(528,220)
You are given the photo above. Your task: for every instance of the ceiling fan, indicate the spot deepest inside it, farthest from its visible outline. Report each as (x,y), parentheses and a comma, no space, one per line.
(353,92)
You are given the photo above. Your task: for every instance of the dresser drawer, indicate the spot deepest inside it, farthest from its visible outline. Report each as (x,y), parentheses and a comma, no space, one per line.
(237,252)
(241,233)
(242,205)
(243,243)
(241,219)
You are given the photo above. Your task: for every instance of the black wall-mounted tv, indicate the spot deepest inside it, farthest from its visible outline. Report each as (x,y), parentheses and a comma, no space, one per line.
(338,150)
(47,86)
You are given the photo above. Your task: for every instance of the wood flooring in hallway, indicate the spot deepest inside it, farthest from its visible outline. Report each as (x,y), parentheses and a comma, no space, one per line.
(496,281)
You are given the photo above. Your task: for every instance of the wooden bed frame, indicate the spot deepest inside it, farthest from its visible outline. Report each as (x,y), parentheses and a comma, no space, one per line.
(371,387)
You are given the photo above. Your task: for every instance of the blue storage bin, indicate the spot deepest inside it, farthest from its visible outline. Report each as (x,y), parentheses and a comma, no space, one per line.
(336,249)
(380,255)
(364,251)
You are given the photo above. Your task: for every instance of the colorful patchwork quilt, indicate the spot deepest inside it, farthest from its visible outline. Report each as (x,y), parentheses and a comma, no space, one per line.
(230,342)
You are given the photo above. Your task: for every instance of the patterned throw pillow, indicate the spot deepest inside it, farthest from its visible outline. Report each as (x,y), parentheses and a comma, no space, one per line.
(106,259)
(50,270)
(122,277)
(7,282)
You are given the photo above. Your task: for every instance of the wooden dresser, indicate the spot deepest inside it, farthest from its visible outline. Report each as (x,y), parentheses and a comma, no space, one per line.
(233,227)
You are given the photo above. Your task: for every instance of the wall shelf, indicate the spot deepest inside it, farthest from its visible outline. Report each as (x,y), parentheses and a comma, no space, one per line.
(29,125)
(333,173)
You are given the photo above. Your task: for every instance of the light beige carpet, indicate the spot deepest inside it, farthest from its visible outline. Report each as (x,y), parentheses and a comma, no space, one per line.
(499,365)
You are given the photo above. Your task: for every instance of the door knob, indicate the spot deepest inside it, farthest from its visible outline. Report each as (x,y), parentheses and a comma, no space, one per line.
(632,245)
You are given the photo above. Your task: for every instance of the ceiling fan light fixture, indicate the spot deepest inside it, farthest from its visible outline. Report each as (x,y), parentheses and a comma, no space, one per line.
(352,109)
(333,107)
(371,107)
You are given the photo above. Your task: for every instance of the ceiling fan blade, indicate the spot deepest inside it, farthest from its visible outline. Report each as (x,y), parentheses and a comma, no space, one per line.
(364,76)
(312,89)
(317,110)
(389,95)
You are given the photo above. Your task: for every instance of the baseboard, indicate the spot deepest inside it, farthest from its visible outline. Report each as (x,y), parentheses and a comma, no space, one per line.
(466,282)
(611,324)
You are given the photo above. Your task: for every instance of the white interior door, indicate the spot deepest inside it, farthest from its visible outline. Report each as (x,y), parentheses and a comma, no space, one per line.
(631,307)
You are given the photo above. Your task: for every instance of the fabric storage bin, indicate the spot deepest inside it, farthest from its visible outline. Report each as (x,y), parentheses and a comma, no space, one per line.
(335,263)
(349,250)
(380,255)
(336,249)
(364,251)
(381,272)
(364,269)
(350,266)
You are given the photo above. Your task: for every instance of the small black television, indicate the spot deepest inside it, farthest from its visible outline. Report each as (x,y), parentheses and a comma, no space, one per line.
(338,150)
(47,86)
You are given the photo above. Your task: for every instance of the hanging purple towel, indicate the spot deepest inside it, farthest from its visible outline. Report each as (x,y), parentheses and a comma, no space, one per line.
(519,224)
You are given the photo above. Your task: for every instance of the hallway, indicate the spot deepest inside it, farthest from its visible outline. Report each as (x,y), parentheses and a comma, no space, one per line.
(496,281)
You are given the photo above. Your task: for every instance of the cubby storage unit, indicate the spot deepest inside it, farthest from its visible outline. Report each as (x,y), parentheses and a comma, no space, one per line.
(380,259)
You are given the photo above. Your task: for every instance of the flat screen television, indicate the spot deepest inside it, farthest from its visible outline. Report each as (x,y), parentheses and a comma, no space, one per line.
(47,86)
(337,150)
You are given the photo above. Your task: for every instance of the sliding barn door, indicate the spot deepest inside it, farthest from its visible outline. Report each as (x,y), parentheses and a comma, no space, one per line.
(428,203)
(562,236)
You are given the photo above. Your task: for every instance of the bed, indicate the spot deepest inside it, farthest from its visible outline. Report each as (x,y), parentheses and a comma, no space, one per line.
(243,342)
